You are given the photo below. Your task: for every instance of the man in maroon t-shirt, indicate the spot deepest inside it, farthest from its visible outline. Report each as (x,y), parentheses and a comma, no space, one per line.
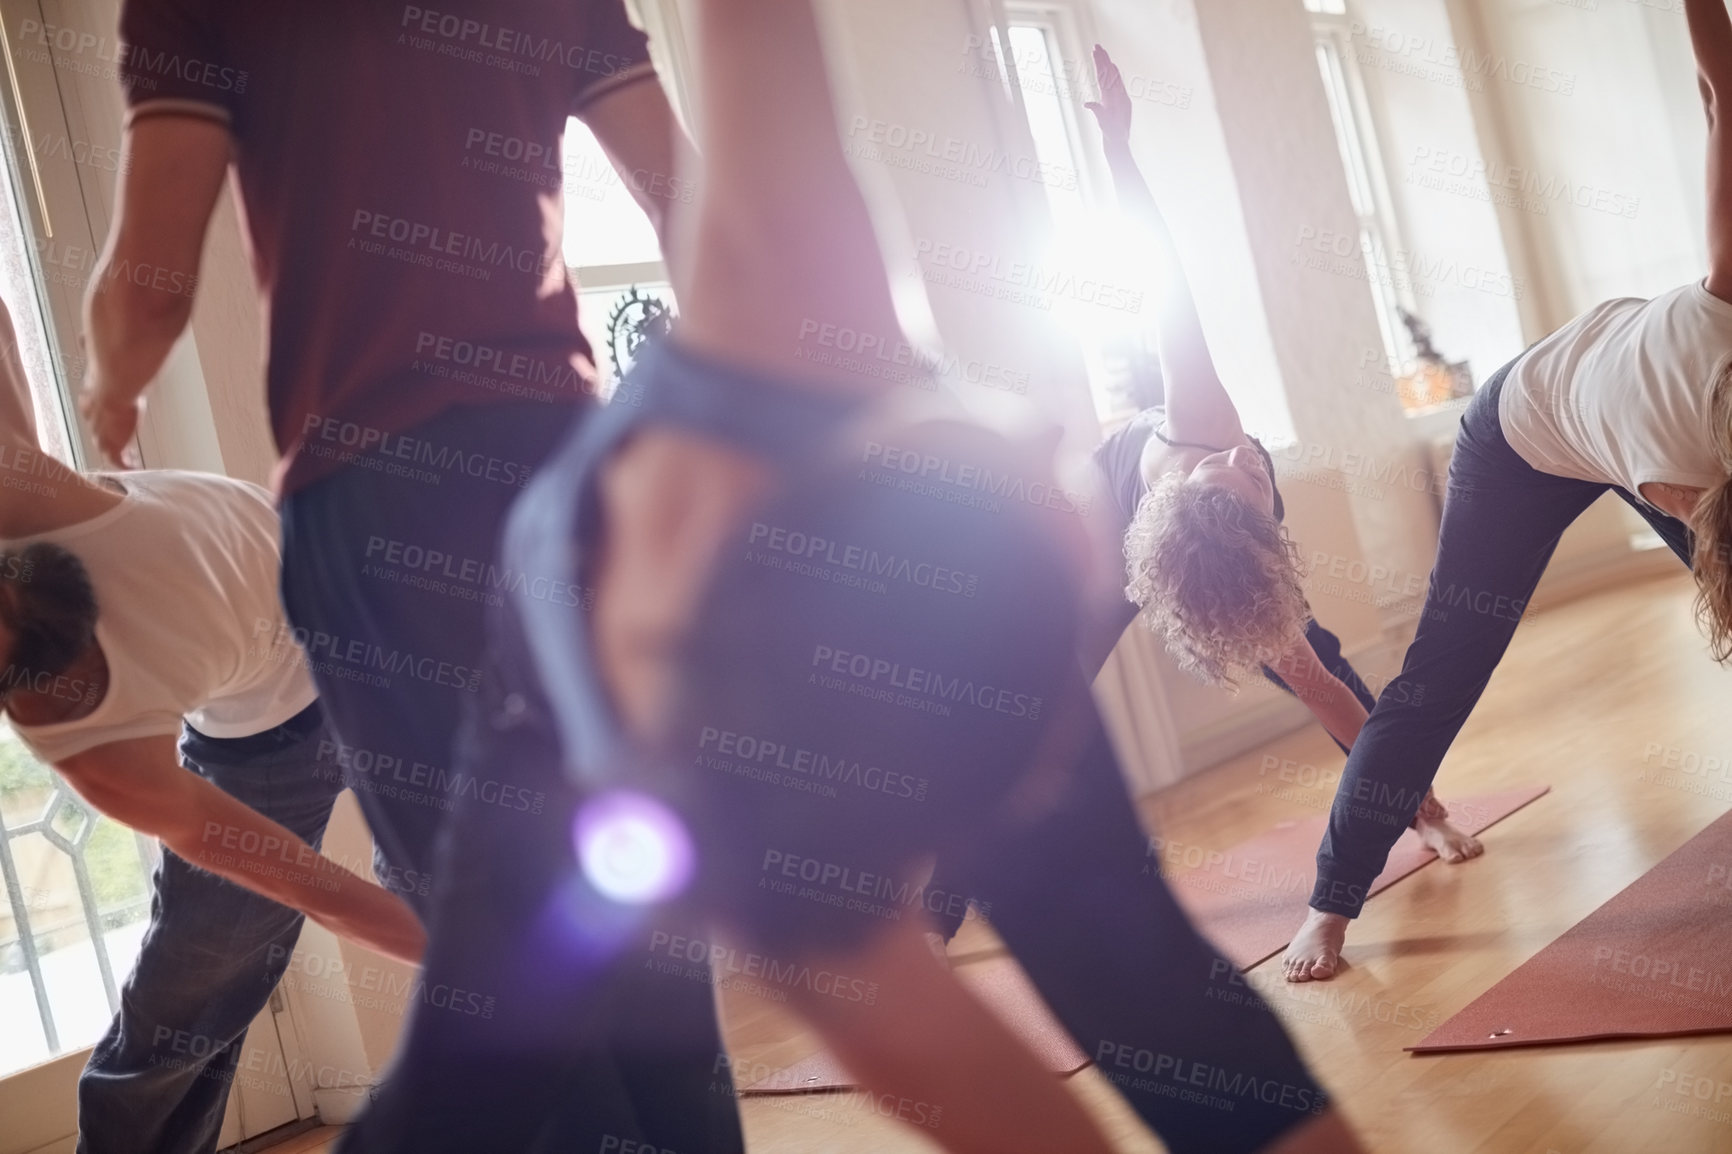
(399,170)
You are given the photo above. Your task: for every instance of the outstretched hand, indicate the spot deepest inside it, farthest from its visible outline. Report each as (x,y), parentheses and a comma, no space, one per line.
(1113,109)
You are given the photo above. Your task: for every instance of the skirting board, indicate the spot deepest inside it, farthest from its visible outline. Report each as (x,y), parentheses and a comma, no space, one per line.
(341,1107)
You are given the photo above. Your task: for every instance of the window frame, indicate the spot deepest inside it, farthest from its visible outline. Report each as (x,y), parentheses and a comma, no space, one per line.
(1356,124)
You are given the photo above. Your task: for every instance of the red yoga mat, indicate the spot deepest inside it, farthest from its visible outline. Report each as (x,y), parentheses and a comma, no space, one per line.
(1251,898)
(1249,903)
(1654,962)
(1001,984)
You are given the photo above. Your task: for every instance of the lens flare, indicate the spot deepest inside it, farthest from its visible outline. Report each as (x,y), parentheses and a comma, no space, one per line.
(632,848)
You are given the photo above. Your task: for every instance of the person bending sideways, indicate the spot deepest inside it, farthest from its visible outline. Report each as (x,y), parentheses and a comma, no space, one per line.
(1193,498)
(1632,397)
(399,168)
(134,609)
(724,426)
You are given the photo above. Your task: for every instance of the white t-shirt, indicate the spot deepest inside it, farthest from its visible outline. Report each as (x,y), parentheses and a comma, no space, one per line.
(185,571)
(1620,394)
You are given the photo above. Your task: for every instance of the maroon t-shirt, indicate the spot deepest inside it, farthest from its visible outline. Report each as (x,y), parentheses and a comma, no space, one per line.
(400,171)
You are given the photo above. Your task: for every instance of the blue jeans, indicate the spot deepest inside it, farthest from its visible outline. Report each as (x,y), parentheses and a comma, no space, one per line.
(158,1081)
(389,571)
(1501,521)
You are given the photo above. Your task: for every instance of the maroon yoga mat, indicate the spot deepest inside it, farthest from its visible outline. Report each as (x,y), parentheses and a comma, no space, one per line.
(1654,962)
(1249,902)
(1251,898)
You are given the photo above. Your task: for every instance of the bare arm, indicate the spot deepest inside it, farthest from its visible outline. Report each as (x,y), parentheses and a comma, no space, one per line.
(643,138)
(1711,35)
(1331,702)
(1198,407)
(141,783)
(140,298)
(784,238)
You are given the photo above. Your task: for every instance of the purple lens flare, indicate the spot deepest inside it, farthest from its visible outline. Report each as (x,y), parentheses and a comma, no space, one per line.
(632,848)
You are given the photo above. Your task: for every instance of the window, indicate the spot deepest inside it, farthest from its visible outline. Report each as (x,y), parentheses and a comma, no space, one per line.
(624,294)
(77,903)
(1379,239)
(74,888)
(1043,57)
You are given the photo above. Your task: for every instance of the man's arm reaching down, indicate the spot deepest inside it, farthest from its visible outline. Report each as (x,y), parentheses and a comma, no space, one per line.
(142,784)
(140,298)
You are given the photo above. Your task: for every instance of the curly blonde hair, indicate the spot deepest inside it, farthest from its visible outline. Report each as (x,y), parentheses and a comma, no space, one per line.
(1216,577)
(1712,524)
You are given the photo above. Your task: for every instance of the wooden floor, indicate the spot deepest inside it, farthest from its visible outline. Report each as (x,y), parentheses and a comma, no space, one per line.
(1589,690)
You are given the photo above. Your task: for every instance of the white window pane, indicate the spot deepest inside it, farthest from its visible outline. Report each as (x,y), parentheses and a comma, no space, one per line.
(1042,86)
(603,224)
(50,901)
(1327,7)
(1347,129)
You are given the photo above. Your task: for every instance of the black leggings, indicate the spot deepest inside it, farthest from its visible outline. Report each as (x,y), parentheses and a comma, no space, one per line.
(1501,520)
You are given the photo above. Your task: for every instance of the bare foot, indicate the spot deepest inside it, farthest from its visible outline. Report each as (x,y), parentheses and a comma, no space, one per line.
(1444,840)
(1315,954)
